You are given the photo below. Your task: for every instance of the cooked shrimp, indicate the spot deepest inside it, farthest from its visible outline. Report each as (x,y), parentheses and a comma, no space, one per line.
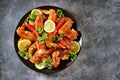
(55,58)
(25,34)
(66,29)
(39,21)
(50,44)
(67,25)
(47,53)
(40,50)
(52,15)
(71,34)
(34,59)
(43,15)
(66,42)
(45,11)
(64,55)
(40,53)
(32,48)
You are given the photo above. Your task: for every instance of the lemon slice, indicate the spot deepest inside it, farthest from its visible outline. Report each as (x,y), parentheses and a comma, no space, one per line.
(35,12)
(49,26)
(24,44)
(40,65)
(76,47)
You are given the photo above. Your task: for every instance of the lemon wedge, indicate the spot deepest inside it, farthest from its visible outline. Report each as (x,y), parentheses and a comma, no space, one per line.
(76,47)
(40,65)
(35,12)
(24,44)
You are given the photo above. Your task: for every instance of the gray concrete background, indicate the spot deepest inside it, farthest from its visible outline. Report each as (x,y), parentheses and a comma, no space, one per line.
(99,22)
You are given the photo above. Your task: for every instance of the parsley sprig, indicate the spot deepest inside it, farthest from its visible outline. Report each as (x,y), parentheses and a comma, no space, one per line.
(60,13)
(43,36)
(72,56)
(48,63)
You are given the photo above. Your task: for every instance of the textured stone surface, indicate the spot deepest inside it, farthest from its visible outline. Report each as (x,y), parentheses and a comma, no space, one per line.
(99,22)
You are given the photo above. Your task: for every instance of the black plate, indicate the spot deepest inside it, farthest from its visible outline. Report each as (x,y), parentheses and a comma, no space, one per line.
(63,64)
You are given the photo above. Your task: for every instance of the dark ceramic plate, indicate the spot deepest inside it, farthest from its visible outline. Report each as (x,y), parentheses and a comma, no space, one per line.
(63,64)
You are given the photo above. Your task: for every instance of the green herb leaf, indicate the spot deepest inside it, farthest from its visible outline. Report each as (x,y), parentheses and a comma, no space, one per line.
(60,12)
(26,57)
(48,63)
(31,18)
(44,34)
(54,39)
(31,53)
(72,56)
(28,18)
(49,66)
(43,37)
(39,30)
(59,37)
(21,53)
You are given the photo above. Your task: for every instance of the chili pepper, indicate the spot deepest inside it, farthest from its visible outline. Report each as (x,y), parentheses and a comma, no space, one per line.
(61,22)
(31,28)
(61,45)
